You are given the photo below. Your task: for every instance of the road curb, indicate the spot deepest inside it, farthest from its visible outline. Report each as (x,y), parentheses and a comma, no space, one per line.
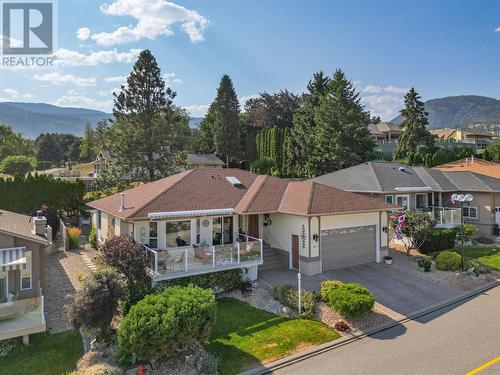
(265,369)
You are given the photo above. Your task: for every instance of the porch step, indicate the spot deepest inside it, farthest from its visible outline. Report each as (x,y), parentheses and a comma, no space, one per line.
(273,259)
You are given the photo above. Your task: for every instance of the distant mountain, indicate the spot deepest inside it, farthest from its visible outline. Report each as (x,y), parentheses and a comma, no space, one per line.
(32,119)
(460,111)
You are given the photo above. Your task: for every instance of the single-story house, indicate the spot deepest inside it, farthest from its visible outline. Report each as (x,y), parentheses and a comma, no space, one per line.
(472,164)
(205,220)
(23,242)
(478,139)
(426,189)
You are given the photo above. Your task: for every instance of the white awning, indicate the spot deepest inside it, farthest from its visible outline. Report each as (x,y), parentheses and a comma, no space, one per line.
(12,259)
(194,213)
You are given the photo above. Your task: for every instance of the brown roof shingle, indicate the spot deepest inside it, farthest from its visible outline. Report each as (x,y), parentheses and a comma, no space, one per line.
(20,226)
(487,168)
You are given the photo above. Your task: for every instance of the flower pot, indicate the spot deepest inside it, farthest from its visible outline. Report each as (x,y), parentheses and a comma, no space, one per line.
(421,269)
(427,268)
(388,261)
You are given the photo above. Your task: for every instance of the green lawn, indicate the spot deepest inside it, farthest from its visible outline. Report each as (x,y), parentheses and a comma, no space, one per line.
(243,336)
(46,355)
(489,256)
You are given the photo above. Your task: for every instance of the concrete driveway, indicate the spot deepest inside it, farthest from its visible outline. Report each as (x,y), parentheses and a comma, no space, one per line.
(399,291)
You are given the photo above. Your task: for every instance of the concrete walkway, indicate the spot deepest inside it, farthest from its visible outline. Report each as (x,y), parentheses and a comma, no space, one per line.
(399,291)
(64,272)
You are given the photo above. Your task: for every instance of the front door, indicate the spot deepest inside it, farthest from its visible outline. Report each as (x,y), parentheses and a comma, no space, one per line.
(295,251)
(253,226)
(3,286)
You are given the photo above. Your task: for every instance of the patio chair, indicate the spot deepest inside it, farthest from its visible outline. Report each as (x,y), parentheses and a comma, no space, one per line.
(200,254)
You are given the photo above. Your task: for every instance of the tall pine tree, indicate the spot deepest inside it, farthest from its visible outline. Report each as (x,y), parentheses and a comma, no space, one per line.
(143,136)
(88,146)
(415,120)
(226,132)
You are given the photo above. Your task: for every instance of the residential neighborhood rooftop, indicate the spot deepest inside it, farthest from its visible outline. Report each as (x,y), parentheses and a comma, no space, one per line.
(487,168)
(20,226)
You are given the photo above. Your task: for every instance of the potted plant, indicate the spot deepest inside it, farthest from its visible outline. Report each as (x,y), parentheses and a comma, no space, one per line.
(387,259)
(424,264)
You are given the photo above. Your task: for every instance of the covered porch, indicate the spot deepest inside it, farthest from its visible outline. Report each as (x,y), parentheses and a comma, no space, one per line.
(195,242)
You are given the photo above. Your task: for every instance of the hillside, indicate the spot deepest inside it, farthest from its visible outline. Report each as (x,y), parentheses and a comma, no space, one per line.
(460,111)
(31,119)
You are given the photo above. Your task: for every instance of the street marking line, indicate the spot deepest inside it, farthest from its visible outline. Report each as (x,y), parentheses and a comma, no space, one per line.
(485,366)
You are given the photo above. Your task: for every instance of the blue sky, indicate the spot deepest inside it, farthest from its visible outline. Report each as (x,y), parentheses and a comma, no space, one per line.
(440,47)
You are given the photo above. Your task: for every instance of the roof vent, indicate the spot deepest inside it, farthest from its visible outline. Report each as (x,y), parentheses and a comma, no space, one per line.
(402,169)
(234,181)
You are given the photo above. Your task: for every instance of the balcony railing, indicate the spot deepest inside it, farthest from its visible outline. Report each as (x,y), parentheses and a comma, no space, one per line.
(446,217)
(176,262)
(22,317)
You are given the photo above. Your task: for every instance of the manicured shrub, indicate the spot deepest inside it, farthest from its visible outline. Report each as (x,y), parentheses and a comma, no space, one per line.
(351,300)
(448,261)
(162,323)
(288,296)
(74,237)
(126,256)
(327,287)
(439,240)
(218,281)
(92,238)
(93,307)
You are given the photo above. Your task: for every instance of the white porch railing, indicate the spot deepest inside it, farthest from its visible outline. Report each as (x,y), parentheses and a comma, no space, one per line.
(446,217)
(22,317)
(180,261)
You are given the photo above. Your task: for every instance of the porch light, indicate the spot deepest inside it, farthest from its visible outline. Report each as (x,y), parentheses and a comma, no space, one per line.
(462,198)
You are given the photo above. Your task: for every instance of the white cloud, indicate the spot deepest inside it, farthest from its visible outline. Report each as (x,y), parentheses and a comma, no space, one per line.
(497,30)
(78,100)
(170,79)
(372,89)
(67,57)
(154,18)
(385,106)
(59,79)
(14,94)
(197,110)
(117,79)
(83,33)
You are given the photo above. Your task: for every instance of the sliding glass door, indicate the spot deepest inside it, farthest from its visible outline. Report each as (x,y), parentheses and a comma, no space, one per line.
(222,230)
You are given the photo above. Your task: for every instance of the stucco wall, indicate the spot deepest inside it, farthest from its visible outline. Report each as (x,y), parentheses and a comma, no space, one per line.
(278,234)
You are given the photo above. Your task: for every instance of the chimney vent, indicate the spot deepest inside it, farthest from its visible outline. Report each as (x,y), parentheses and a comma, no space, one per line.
(39,224)
(122,201)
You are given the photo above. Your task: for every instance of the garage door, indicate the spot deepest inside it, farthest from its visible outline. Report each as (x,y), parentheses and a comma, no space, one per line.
(346,247)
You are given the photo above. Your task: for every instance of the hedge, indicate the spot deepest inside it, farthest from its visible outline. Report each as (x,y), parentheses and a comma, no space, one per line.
(220,281)
(439,240)
(162,323)
(351,300)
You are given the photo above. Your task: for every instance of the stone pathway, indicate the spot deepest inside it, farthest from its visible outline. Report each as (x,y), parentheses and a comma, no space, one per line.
(65,270)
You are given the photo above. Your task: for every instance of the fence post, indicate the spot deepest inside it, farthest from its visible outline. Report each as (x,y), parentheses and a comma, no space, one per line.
(156,263)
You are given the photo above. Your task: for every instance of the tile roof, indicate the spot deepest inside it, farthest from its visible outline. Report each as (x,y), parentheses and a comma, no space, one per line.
(487,168)
(204,159)
(206,189)
(384,127)
(19,226)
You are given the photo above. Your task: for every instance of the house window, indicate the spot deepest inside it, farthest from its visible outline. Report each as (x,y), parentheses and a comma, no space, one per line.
(403,201)
(153,234)
(178,233)
(469,212)
(99,220)
(26,273)
(420,201)
(389,199)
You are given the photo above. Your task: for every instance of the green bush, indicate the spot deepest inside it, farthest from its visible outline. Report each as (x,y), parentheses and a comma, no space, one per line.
(92,238)
(448,261)
(288,296)
(18,165)
(439,240)
(477,267)
(220,281)
(327,287)
(162,323)
(351,300)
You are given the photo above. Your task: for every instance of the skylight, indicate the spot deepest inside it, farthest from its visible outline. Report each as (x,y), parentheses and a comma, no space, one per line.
(234,181)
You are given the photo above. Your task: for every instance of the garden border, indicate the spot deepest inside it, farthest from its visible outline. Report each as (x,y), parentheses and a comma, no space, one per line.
(284,362)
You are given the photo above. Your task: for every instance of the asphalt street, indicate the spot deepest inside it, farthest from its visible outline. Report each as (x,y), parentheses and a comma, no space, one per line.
(455,340)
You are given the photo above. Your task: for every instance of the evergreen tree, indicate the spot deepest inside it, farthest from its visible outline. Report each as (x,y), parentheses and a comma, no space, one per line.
(88,146)
(342,136)
(49,149)
(301,140)
(415,120)
(226,133)
(12,143)
(205,136)
(143,137)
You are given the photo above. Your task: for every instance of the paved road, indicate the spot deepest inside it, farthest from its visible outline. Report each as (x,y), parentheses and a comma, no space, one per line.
(454,340)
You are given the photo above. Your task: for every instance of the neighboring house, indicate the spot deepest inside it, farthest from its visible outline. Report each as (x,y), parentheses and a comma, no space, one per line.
(23,241)
(104,158)
(386,136)
(426,189)
(206,220)
(478,139)
(472,164)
